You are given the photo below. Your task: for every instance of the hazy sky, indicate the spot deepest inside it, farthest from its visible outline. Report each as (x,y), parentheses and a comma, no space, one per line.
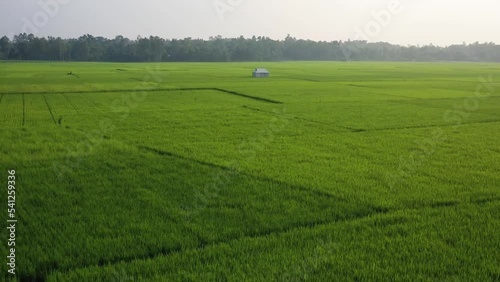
(441,22)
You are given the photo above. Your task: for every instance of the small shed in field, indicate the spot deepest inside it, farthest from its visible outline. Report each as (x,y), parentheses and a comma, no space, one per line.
(260,73)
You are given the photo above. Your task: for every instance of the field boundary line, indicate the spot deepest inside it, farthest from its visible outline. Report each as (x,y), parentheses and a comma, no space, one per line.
(69,102)
(50,110)
(457,98)
(282,231)
(24,111)
(381,88)
(438,99)
(340,128)
(98,108)
(246,96)
(375,93)
(261,178)
(152,90)
(294,117)
(306,79)
(347,129)
(174,155)
(424,126)
(256,235)
(398,102)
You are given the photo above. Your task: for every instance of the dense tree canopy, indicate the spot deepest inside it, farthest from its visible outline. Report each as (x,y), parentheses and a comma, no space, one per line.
(217,49)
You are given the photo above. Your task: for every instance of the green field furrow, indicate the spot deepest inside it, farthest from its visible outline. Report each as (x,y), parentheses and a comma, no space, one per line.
(61,105)
(81,103)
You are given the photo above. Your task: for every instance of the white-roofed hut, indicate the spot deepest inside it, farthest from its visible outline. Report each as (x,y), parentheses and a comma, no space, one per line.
(261,73)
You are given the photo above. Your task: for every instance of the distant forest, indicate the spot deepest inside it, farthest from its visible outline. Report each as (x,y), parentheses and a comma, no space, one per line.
(217,49)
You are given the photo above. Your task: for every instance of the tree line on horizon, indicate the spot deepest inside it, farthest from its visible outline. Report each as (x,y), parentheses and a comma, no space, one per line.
(218,49)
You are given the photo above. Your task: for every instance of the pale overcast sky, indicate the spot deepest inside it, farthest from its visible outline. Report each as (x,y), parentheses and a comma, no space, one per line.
(441,22)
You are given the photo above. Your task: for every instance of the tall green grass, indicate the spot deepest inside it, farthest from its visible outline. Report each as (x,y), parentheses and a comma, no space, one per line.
(325,171)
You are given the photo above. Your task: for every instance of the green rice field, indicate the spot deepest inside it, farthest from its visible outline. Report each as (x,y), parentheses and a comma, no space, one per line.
(325,171)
